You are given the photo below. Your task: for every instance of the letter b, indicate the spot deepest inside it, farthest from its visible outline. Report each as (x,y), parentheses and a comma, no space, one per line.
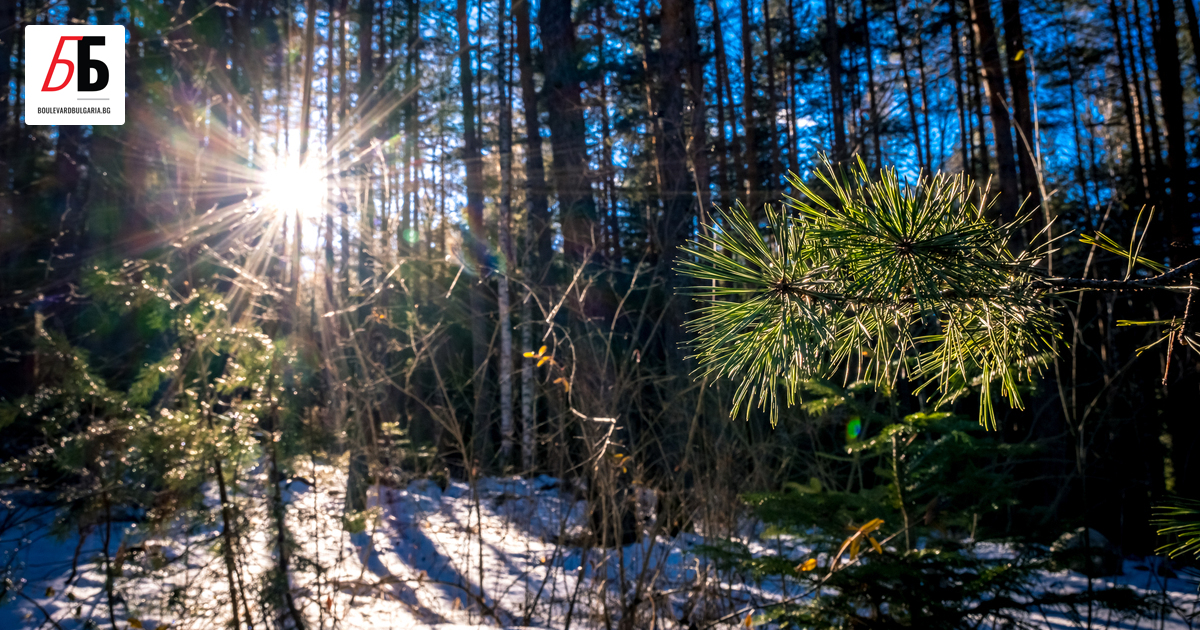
(70,66)
(86,64)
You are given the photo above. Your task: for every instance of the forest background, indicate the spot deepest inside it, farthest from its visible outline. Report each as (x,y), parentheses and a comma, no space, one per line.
(456,224)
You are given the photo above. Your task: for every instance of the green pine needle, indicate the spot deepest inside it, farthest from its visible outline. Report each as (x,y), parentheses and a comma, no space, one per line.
(875,277)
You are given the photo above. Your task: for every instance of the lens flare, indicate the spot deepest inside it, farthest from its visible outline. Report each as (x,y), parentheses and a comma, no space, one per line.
(294,188)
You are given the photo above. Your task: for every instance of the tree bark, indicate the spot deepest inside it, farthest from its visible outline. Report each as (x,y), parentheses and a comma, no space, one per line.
(730,180)
(908,90)
(1189,7)
(310,23)
(472,156)
(1135,146)
(993,81)
(568,135)
(610,222)
(1018,78)
(959,87)
(673,190)
(833,64)
(698,142)
(876,142)
(772,113)
(750,155)
(366,73)
(1178,211)
(1154,161)
(537,232)
(505,131)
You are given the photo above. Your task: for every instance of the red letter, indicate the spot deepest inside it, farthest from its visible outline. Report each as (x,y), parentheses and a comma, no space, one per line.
(70,67)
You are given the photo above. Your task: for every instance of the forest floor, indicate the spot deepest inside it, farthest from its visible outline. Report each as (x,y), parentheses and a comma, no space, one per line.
(506,554)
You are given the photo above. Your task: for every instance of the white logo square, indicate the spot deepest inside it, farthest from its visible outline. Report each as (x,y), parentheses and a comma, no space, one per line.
(74,75)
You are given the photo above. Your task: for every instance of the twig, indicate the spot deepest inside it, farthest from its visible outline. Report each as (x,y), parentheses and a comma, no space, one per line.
(39,607)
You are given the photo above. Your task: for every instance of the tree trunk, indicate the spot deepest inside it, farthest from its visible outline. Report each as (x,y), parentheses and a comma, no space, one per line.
(699,134)
(654,112)
(674,185)
(1018,78)
(568,135)
(477,238)
(731,182)
(959,87)
(927,140)
(772,113)
(833,64)
(1166,48)
(409,221)
(1154,161)
(610,223)
(876,142)
(750,155)
(908,90)
(1135,145)
(366,73)
(978,123)
(310,23)
(537,232)
(993,82)
(540,231)
(505,132)
(1189,7)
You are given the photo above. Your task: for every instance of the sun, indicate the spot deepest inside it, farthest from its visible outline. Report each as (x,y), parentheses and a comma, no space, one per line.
(294,188)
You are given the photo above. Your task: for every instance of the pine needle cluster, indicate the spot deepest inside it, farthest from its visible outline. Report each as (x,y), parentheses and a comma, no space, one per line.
(873,277)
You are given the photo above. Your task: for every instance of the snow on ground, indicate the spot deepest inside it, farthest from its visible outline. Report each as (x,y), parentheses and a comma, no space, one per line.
(504,553)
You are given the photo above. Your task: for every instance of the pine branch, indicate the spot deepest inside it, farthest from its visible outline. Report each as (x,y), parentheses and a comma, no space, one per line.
(1161,281)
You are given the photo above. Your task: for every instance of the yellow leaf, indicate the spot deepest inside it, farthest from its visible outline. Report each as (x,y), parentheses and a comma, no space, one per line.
(542,361)
(749,620)
(842,549)
(808,565)
(875,545)
(1020,53)
(854,547)
(871,525)
(529,355)
(135,623)
(541,351)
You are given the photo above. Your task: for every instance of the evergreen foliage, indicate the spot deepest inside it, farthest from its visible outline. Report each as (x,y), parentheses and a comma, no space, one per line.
(942,483)
(876,276)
